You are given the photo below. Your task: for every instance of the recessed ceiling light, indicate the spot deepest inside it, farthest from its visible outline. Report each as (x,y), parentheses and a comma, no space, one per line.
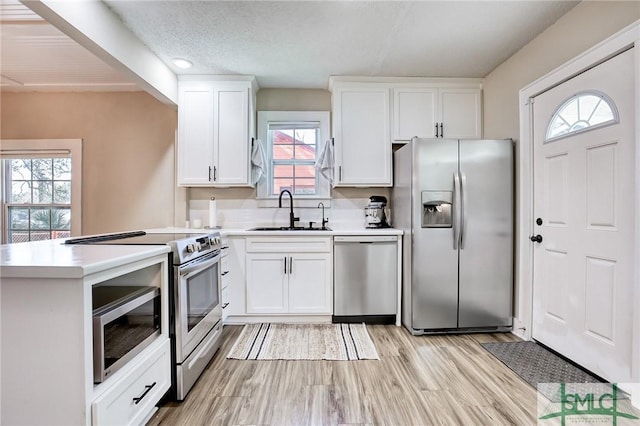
(182,63)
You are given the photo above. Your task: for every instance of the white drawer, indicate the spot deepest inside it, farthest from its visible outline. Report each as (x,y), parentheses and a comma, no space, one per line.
(120,405)
(224,265)
(289,244)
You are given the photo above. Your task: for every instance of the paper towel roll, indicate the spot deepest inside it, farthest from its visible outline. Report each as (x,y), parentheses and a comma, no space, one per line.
(212,213)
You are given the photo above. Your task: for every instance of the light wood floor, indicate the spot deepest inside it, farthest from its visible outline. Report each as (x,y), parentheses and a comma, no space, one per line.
(419,380)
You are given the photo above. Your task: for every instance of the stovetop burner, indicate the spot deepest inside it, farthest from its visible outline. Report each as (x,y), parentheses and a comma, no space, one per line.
(185,246)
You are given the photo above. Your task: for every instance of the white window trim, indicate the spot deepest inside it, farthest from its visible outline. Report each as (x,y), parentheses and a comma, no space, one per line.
(11,147)
(263,198)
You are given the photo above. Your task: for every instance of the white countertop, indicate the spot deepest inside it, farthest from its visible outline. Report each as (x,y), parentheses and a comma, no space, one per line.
(53,259)
(238,232)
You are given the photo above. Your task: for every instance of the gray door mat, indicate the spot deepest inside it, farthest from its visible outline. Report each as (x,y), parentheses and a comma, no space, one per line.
(538,366)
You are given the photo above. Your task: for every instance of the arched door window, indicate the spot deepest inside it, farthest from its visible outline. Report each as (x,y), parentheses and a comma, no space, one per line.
(581,112)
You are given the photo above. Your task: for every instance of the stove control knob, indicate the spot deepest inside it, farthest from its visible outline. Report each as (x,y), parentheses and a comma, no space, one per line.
(191,248)
(215,240)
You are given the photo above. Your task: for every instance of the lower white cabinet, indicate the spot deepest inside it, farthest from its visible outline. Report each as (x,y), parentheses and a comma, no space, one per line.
(310,283)
(131,400)
(289,276)
(48,378)
(225,278)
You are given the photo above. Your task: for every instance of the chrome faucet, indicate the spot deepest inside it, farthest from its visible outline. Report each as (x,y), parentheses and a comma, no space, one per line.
(292,218)
(324,220)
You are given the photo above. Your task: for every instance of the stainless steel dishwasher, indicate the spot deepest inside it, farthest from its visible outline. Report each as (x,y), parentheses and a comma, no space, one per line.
(365,278)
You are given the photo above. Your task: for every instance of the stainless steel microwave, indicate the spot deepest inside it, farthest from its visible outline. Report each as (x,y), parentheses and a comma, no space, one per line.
(126,319)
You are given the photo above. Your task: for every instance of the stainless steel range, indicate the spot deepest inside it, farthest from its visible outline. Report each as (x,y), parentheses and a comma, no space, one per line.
(195,298)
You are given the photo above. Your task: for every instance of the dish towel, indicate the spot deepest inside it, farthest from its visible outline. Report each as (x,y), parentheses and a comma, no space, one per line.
(258,161)
(324,163)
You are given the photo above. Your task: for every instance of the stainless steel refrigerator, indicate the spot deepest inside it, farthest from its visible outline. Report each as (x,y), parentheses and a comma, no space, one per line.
(454,201)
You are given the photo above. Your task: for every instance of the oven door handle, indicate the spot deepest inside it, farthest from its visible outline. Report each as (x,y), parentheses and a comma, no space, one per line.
(198,267)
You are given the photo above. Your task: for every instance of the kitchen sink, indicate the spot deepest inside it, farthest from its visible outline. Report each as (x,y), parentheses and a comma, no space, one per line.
(286,228)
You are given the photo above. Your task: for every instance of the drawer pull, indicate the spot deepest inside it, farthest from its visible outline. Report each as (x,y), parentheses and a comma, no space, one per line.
(147,388)
(224,273)
(225,305)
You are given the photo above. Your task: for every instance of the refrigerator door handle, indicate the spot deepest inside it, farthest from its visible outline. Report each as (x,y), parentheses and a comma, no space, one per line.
(463,208)
(456,210)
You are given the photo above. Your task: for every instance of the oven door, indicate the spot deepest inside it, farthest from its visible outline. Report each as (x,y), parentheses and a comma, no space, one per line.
(198,307)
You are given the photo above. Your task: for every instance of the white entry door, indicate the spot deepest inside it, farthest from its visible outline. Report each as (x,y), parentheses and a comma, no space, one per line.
(584,213)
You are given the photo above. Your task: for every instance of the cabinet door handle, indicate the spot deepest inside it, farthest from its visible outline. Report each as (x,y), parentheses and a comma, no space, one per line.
(291,265)
(339,173)
(147,388)
(215,174)
(285,265)
(441,131)
(209,173)
(436,130)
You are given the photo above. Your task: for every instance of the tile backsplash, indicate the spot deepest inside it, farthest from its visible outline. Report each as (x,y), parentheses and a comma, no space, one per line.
(238,208)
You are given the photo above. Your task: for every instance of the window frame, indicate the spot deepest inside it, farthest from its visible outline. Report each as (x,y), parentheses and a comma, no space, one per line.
(263,195)
(558,111)
(44,148)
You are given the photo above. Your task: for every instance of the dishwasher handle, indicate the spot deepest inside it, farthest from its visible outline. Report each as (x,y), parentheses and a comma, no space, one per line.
(364,239)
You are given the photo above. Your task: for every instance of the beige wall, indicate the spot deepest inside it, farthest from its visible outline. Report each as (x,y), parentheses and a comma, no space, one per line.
(128,151)
(293,100)
(582,27)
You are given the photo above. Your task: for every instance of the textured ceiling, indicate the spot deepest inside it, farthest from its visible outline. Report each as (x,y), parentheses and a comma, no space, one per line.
(301,43)
(288,44)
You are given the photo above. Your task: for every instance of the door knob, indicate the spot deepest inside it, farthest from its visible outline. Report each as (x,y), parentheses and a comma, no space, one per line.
(536,238)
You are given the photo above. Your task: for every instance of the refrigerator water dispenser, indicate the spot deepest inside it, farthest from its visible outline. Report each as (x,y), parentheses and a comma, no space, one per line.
(436,209)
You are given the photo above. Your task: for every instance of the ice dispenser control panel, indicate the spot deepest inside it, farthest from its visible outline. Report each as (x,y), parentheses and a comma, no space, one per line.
(436,209)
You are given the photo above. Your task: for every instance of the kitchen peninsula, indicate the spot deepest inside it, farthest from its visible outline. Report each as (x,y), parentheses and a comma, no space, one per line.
(47,372)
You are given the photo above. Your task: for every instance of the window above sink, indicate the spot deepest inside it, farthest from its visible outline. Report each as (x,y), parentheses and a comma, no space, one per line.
(292,141)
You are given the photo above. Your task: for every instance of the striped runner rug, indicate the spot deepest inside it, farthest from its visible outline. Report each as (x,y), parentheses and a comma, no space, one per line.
(339,342)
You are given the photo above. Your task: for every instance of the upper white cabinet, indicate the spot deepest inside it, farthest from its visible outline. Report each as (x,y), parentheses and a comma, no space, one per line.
(362,134)
(431,112)
(370,113)
(414,113)
(216,123)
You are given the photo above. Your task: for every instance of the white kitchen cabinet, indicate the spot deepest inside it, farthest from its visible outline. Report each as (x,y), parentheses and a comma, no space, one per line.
(310,278)
(234,289)
(51,377)
(460,113)
(225,278)
(362,134)
(414,113)
(216,124)
(290,275)
(433,112)
(370,113)
(267,283)
(133,397)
